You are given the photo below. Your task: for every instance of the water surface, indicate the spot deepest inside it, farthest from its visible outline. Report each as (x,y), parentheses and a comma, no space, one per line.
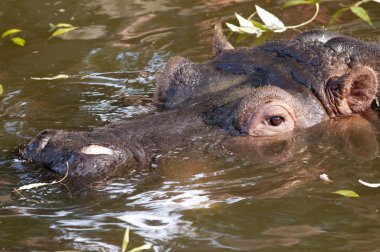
(195,200)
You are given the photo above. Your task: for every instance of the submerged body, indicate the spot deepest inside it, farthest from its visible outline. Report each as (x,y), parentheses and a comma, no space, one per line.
(265,93)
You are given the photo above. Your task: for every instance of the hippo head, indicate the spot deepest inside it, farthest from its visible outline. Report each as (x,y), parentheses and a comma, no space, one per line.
(264,93)
(288,85)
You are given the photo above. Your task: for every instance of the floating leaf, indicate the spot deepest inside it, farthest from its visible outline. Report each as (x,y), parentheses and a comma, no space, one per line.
(297,2)
(18,41)
(143,247)
(9,32)
(271,21)
(57,77)
(347,193)
(125,240)
(232,27)
(1,89)
(243,22)
(260,26)
(373,185)
(250,30)
(361,13)
(63,25)
(247,26)
(59,25)
(62,31)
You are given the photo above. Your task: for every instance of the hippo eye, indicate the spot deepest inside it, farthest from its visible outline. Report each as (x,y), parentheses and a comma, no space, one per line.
(266,119)
(276,120)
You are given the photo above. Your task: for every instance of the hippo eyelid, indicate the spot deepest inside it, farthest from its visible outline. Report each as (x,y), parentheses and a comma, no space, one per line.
(95,149)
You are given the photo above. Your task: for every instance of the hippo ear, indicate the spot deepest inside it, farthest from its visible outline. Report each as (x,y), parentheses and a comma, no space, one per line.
(220,43)
(354,91)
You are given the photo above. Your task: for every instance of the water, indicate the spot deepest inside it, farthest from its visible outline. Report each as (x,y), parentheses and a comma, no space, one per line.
(195,200)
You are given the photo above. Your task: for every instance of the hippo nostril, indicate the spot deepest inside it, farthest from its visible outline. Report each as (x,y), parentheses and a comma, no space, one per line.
(43,142)
(94,149)
(43,139)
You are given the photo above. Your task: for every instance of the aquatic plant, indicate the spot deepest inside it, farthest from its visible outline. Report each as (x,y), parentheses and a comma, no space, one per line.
(126,242)
(271,23)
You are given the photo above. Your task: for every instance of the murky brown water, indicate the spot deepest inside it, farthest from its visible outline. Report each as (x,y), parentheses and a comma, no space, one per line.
(195,201)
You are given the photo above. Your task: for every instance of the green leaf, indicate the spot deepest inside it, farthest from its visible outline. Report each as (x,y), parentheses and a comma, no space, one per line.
(18,41)
(248,30)
(232,27)
(1,89)
(260,26)
(125,240)
(63,25)
(361,13)
(270,21)
(9,32)
(243,22)
(143,247)
(62,31)
(59,25)
(347,193)
(297,2)
(336,16)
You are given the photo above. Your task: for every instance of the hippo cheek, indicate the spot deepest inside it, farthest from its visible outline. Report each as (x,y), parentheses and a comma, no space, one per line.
(358,136)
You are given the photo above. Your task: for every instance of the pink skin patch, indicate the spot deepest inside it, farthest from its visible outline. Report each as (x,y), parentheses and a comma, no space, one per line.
(94,149)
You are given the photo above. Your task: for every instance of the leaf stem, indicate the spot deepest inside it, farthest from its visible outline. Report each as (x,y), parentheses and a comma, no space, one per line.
(310,20)
(67,173)
(252,15)
(361,2)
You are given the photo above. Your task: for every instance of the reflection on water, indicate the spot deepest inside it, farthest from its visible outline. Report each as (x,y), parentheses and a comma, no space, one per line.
(239,195)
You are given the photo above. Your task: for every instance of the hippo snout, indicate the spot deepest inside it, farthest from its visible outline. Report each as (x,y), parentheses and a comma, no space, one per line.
(37,145)
(84,155)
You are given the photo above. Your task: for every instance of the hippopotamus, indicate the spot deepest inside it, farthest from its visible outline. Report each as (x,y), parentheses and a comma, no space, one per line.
(258,94)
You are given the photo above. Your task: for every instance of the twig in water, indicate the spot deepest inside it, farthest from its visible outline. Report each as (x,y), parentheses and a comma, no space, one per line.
(36,185)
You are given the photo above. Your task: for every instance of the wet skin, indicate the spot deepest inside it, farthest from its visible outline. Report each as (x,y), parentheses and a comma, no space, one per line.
(262,94)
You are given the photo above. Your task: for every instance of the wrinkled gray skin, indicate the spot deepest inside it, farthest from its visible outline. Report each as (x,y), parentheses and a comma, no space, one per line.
(265,93)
